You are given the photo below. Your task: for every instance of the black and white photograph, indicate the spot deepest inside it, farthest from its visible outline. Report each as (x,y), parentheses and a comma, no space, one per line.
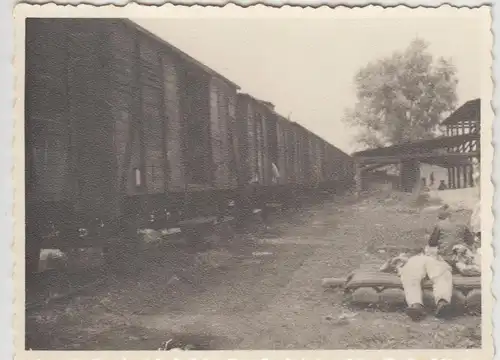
(284,181)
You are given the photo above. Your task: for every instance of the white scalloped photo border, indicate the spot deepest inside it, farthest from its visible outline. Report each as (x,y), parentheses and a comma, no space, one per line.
(22,11)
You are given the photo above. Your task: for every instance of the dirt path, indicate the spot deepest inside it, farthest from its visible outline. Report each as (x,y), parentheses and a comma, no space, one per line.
(270,296)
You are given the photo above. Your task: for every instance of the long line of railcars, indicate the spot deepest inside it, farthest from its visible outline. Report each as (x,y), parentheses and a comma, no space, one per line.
(124,129)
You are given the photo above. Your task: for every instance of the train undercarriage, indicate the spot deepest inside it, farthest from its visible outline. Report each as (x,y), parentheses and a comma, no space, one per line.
(55,225)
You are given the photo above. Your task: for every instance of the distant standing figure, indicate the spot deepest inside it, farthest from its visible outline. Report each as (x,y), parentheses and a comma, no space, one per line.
(424,185)
(431,179)
(276,173)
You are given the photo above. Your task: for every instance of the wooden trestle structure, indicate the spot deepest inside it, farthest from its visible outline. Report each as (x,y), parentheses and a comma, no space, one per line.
(453,151)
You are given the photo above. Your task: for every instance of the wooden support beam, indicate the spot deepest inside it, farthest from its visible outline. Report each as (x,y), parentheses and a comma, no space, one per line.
(464,172)
(370,167)
(393,159)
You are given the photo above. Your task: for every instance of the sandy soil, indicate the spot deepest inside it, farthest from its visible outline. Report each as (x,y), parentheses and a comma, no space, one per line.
(263,291)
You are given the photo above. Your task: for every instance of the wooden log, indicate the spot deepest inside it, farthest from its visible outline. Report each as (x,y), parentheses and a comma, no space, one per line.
(362,279)
(364,297)
(473,302)
(333,283)
(392,298)
(458,300)
(385,291)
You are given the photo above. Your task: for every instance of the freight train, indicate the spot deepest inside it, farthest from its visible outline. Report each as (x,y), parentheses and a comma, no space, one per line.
(124,130)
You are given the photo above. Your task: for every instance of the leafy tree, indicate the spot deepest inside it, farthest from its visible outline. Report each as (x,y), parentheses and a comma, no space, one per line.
(402,97)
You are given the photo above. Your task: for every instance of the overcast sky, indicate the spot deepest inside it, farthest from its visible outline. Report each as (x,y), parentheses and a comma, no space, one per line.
(305,66)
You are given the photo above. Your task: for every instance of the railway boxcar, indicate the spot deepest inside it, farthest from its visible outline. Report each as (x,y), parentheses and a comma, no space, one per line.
(124,130)
(286,151)
(259,144)
(119,124)
(304,158)
(317,178)
(260,138)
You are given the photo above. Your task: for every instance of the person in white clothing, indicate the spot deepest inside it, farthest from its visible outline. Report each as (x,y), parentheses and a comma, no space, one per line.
(412,270)
(449,247)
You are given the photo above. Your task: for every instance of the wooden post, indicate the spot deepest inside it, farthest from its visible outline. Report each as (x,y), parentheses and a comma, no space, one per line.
(471,176)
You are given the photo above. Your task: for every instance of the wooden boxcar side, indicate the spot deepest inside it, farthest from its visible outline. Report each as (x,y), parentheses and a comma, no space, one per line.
(271,141)
(303,152)
(308,173)
(299,155)
(287,151)
(113,112)
(331,163)
(282,130)
(137,98)
(259,150)
(315,158)
(187,116)
(224,139)
(70,160)
(323,146)
(68,125)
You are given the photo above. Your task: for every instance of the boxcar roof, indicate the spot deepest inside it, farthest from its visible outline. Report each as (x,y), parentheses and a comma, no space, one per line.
(313,134)
(293,123)
(180,53)
(264,102)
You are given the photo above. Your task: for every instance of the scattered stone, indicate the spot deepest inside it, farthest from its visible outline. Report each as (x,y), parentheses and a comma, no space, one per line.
(170,231)
(348,315)
(251,261)
(172,280)
(342,319)
(262,253)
